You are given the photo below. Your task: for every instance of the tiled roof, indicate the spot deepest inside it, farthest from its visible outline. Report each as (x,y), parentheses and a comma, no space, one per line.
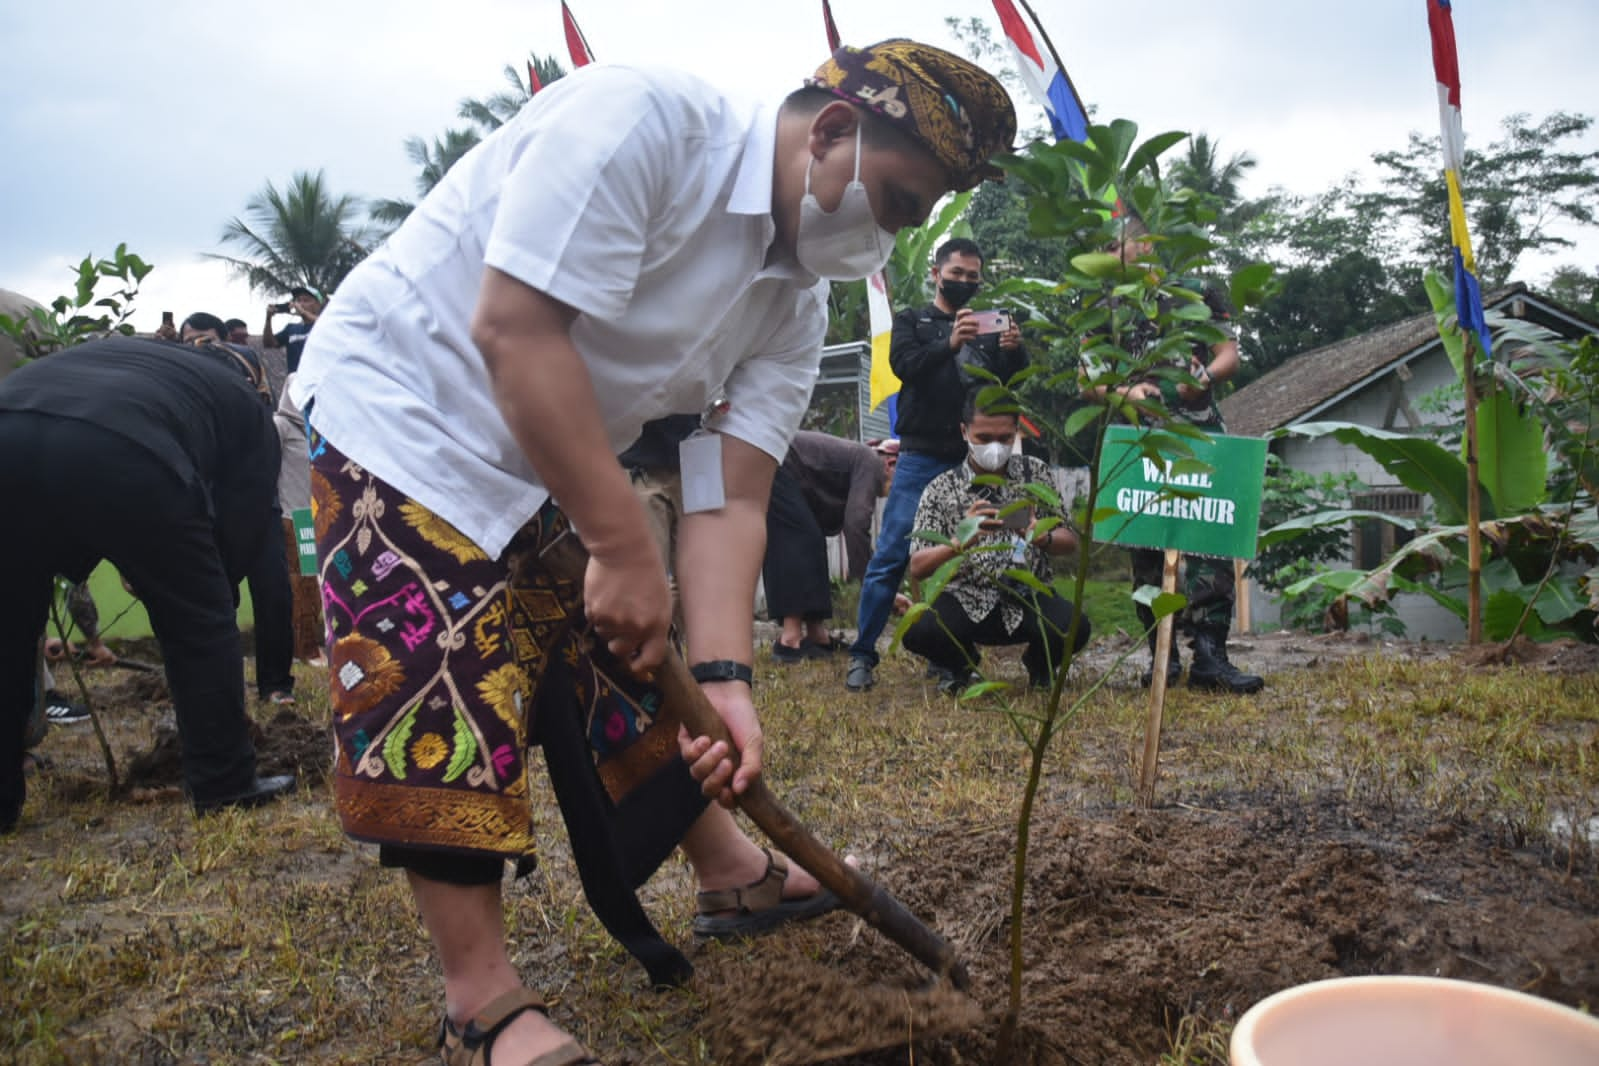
(1303,383)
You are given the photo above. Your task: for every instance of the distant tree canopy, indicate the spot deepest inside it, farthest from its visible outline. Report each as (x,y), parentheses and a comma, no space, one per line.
(1351,258)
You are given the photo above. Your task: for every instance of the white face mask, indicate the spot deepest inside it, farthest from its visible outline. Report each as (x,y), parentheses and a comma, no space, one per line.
(991,457)
(847,244)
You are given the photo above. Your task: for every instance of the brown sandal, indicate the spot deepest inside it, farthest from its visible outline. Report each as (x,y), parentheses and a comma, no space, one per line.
(473,1045)
(759,907)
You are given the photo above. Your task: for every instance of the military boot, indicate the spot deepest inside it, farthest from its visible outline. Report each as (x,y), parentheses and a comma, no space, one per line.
(1212,671)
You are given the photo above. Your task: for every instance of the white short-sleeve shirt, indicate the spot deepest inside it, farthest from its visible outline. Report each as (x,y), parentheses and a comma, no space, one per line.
(640,197)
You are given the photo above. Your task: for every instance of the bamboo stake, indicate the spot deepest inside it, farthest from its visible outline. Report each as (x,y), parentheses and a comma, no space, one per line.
(1157,687)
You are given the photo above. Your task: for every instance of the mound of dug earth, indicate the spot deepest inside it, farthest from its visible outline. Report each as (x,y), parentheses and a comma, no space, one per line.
(1143,926)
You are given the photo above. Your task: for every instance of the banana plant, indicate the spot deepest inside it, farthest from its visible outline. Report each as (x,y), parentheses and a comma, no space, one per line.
(1543,580)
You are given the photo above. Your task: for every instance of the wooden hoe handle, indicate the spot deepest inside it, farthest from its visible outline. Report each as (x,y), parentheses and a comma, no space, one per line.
(567,559)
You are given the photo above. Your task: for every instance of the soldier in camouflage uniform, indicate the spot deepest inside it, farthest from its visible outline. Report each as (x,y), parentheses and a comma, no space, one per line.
(1209,583)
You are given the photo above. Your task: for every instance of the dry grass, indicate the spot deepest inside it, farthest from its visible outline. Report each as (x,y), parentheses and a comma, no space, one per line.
(132,933)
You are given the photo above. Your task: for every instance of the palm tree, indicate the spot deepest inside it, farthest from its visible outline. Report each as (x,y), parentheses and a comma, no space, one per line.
(432,162)
(487,115)
(1217,182)
(302,235)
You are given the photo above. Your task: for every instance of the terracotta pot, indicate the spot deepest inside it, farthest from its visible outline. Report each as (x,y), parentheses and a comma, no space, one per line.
(1411,1021)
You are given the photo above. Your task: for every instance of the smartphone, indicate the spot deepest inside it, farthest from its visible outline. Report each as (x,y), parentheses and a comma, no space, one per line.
(1018,520)
(166,318)
(991,321)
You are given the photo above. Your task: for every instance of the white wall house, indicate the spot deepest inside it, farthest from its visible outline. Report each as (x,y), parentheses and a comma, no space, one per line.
(1375,379)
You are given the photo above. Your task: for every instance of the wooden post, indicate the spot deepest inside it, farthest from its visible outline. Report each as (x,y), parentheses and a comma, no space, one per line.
(1157,687)
(1241,596)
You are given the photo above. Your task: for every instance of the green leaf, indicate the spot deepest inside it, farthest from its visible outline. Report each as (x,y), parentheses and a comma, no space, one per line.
(1250,284)
(1161,603)
(1294,527)
(1043,493)
(968,528)
(1099,264)
(1150,151)
(1191,312)
(1442,296)
(1079,419)
(1339,580)
(1502,611)
(933,587)
(1512,463)
(1167,603)
(1559,601)
(86,279)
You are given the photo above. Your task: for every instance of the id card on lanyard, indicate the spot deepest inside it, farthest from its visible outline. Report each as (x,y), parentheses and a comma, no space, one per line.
(700,462)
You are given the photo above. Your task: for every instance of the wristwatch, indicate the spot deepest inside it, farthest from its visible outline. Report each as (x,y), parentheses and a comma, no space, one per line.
(723,670)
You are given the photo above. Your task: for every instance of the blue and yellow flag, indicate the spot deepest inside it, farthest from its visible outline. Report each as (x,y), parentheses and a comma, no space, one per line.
(1446,68)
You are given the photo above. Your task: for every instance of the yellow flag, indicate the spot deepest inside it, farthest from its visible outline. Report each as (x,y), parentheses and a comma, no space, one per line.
(880,314)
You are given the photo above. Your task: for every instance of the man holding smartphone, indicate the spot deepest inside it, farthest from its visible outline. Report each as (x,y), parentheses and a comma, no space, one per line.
(305,302)
(930,350)
(980,605)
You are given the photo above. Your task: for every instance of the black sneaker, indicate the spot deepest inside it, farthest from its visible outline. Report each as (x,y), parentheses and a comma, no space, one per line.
(785,654)
(813,650)
(955,682)
(58,710)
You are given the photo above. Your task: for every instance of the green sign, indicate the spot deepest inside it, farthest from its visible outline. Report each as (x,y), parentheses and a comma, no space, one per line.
(1215,513)
(305,540)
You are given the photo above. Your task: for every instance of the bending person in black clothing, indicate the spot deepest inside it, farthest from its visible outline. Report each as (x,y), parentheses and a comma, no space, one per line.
(162,459)
(826,486)
(271,592)
(929,347)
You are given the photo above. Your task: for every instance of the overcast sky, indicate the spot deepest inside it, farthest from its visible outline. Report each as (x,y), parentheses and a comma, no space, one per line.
(154,123)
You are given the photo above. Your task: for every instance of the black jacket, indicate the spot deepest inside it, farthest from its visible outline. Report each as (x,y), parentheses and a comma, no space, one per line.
(932,384)
(191,410)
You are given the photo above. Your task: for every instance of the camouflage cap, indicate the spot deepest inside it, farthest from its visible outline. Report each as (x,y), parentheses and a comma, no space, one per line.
(959,111)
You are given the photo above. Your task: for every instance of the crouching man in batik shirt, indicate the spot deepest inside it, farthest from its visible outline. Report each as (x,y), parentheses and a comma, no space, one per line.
(633,244)
(981,605)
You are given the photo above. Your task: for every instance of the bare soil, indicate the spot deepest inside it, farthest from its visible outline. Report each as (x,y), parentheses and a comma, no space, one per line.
(1139,919)
(1147,929)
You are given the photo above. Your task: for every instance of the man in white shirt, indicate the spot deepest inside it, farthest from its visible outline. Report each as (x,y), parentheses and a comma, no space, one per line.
(633,244)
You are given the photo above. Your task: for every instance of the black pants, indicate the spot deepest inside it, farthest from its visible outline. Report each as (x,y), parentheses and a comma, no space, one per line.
(795,568)
(272,600)
(948,638)
(77,494)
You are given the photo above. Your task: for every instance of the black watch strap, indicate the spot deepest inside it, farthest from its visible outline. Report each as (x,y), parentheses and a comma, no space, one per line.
(723,670)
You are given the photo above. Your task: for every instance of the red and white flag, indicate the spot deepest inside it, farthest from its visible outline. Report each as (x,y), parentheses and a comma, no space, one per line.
(576,43)
(832,29)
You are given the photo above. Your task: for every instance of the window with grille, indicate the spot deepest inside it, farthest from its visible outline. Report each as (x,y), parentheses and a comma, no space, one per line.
(1375,540)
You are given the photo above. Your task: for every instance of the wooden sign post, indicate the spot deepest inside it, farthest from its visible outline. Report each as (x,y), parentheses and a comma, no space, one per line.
(1213,513)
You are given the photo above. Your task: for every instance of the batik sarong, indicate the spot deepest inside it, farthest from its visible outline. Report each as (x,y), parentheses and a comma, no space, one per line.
(436,657)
